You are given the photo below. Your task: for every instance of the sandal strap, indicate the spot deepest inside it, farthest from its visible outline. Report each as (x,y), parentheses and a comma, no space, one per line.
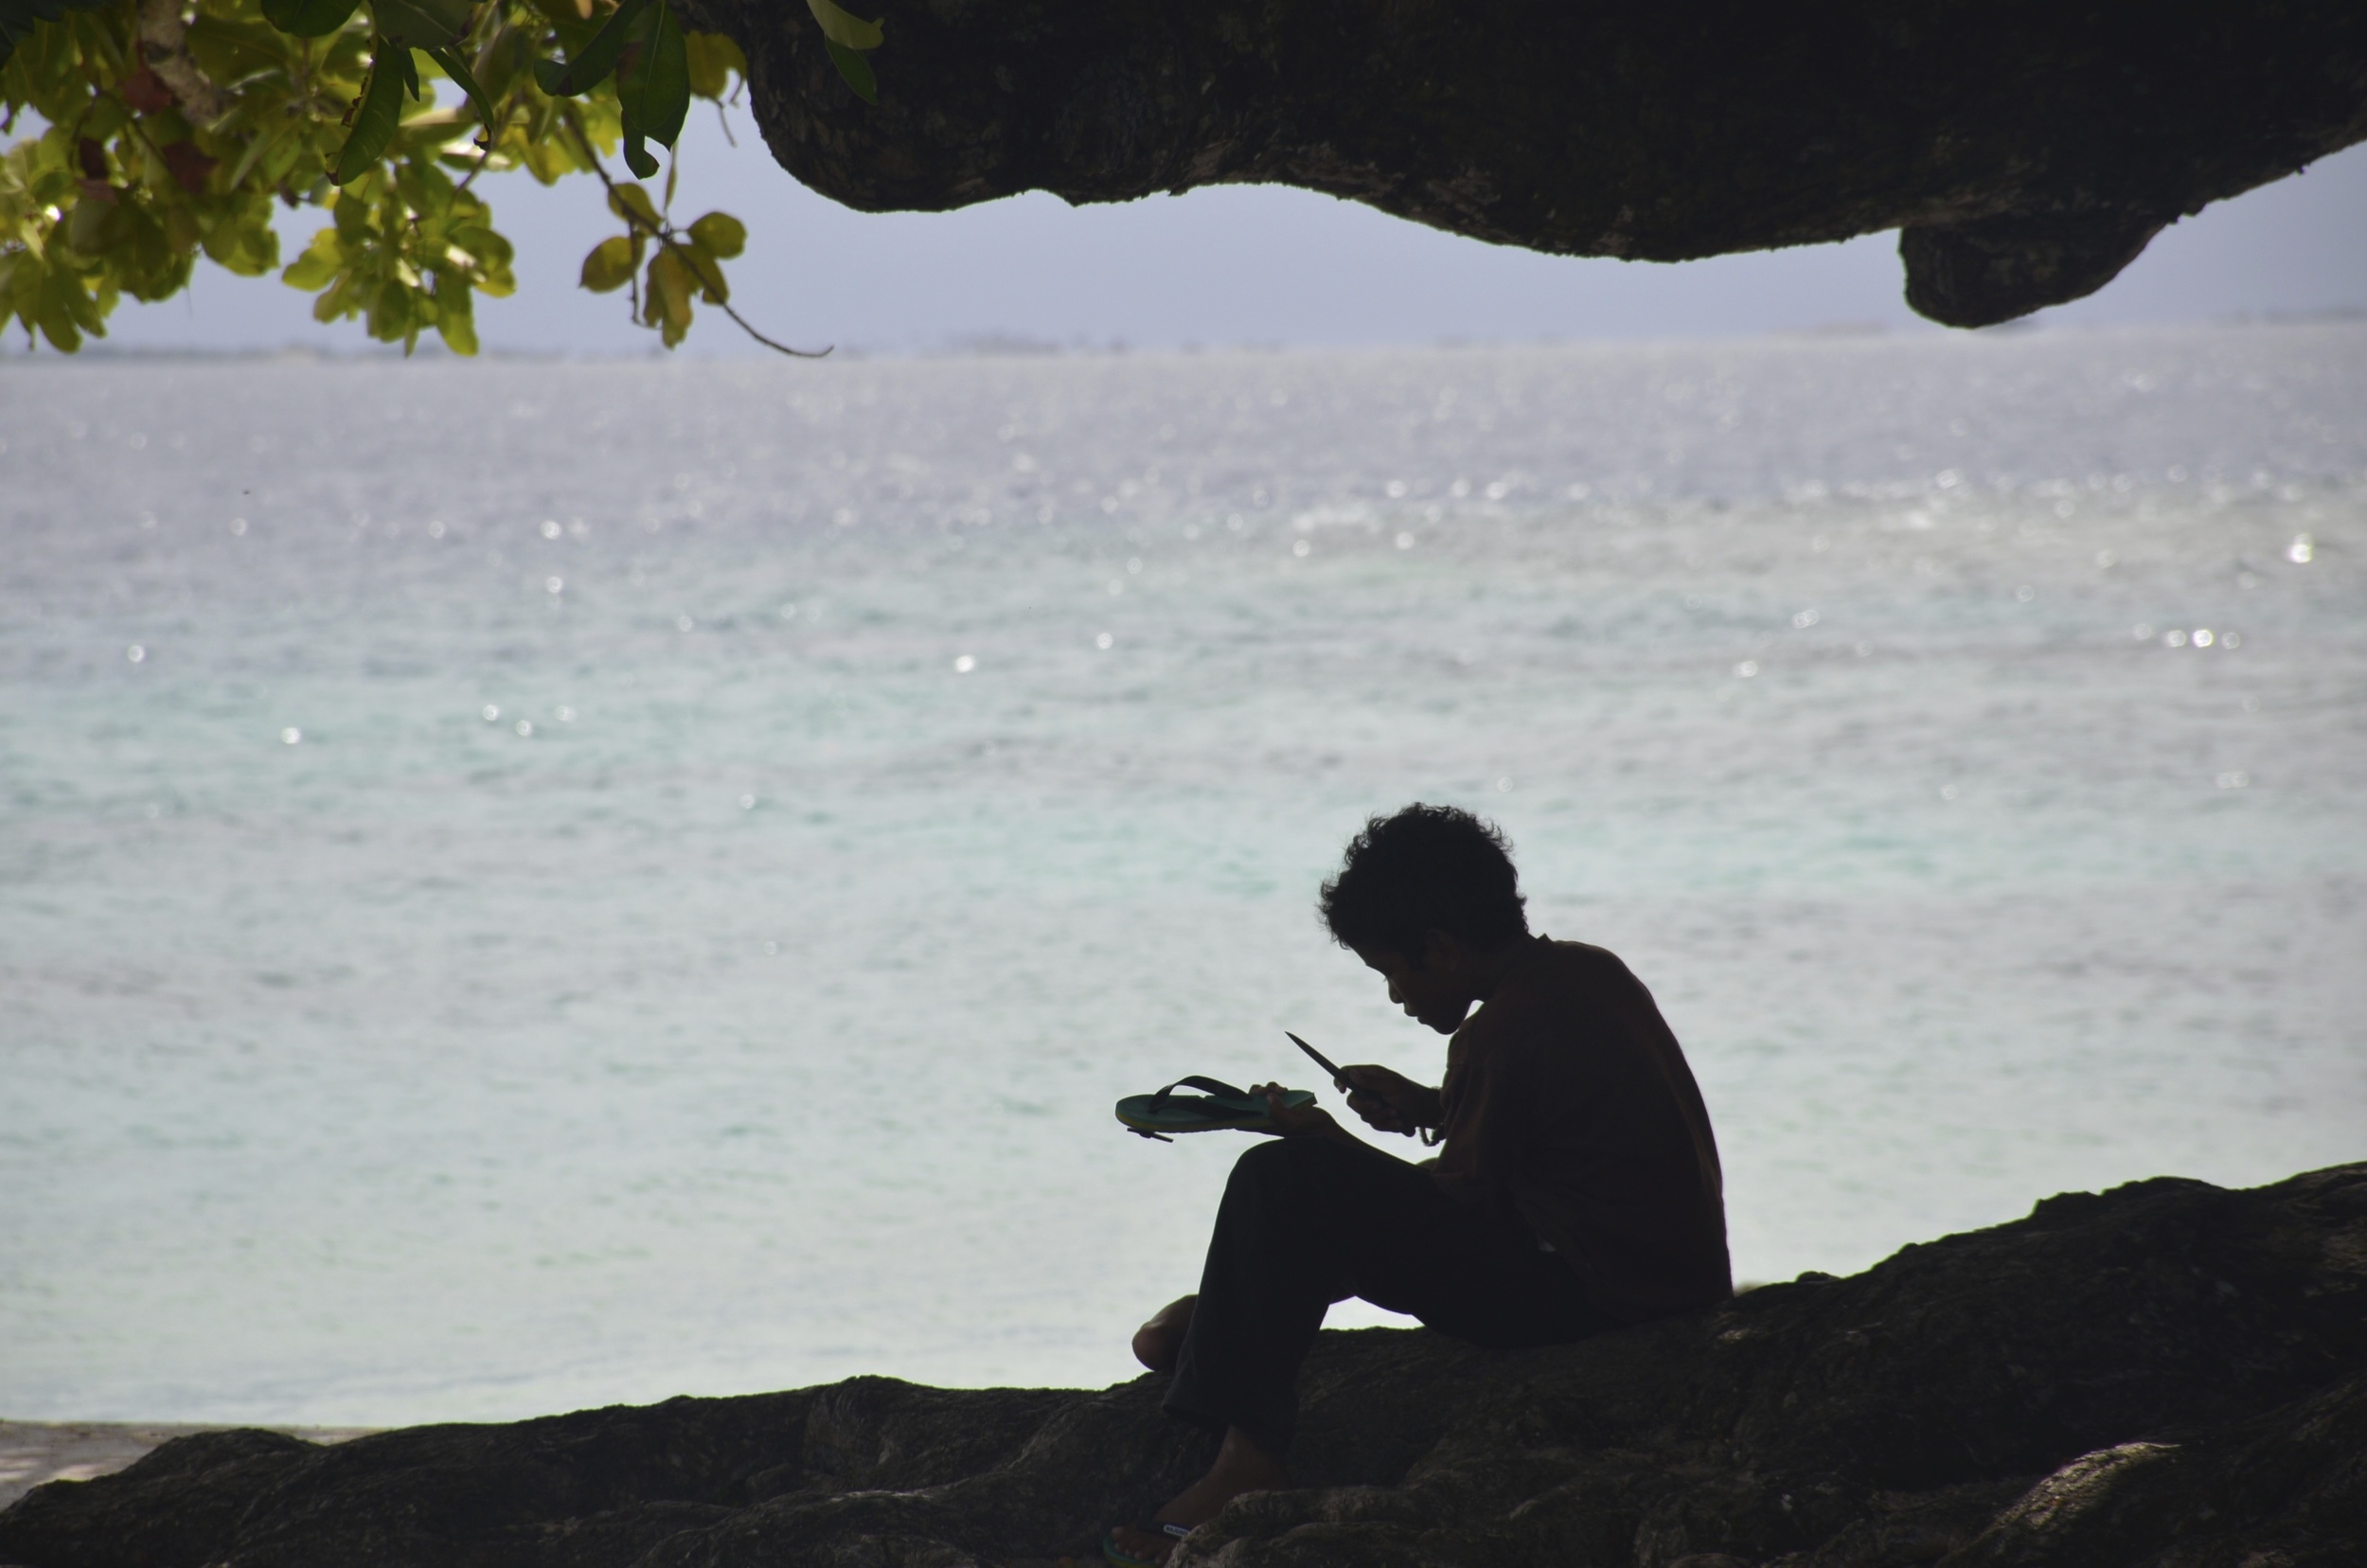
(1214,1086)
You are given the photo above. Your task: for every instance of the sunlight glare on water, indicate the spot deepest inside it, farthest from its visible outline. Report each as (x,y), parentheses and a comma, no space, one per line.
(607,880)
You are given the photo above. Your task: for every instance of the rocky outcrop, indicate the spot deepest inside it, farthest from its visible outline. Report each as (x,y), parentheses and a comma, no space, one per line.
(2168,1375)
(2026,148)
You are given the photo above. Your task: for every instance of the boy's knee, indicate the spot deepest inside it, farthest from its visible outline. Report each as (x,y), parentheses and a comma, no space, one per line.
(1285,1159)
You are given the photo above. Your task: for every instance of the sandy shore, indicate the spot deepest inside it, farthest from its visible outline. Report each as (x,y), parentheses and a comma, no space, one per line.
(34,1451)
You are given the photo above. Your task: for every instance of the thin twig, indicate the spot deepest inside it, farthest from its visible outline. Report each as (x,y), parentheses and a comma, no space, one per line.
(485,148)
(668,239)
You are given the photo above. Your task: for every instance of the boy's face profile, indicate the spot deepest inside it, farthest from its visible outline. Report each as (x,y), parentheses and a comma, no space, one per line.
(1432,986)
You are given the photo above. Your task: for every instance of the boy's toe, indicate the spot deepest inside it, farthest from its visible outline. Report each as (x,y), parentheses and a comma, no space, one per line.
(1141,1545)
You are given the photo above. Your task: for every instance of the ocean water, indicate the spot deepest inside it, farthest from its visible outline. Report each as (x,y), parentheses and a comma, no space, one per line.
(534,885)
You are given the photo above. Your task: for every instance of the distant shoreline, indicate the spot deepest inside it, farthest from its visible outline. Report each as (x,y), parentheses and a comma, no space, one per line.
(1002,346)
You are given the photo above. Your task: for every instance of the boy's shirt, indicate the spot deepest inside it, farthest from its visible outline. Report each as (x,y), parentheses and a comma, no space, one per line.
(1567,1097)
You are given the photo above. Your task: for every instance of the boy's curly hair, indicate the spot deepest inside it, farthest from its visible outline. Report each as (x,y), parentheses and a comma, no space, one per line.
(1427,867)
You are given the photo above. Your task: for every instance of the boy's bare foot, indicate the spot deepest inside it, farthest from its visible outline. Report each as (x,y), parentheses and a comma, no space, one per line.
(1158,1342)
(1241,1467)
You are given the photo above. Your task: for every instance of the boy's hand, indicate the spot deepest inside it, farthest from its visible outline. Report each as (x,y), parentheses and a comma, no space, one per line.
(1295,1120)
(1389,1102)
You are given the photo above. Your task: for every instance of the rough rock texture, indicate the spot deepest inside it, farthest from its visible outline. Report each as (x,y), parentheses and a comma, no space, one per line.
(2028,148)
(2167,1375)
(35,1452)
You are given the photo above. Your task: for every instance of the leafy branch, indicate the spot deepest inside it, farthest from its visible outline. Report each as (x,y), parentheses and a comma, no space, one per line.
(170,129)
(687,262)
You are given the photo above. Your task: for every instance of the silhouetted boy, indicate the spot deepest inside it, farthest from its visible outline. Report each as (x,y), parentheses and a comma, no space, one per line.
(1575,1188)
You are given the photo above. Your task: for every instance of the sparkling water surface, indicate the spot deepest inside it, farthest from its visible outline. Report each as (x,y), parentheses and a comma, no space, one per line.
(534,885)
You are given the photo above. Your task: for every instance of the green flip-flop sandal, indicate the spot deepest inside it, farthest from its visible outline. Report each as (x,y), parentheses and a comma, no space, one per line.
(1222,1109)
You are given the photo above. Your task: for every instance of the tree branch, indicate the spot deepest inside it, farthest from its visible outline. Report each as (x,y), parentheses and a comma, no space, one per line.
(163,44)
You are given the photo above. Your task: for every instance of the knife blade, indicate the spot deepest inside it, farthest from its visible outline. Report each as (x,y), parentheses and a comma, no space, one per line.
(1318,1058)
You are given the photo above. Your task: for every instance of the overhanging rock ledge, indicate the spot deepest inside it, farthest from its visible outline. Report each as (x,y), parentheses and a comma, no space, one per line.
(2028,149)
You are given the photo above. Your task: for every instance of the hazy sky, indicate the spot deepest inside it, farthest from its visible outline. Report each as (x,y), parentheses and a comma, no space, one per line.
(1251,264)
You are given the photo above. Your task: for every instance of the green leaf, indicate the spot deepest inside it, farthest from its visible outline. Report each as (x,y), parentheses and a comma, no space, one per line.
(321,260)
(564,13)
(18,16)
(341,298)
(708,271)
(590,67)
(629,201)
(181,231)
(714,60)
(844,28)
(394,312)
(455,316)
(457,68)
(374,123)
(637,156)
(92,226)
(855,69)
(351,214)
(107,115)
(57,325)
(246,245)
(667,304)
(721,234)
(308,18)
(259,144)
(421,24)
(610,265)
(653,83)
(426,187)
(232,50)
(498,63)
